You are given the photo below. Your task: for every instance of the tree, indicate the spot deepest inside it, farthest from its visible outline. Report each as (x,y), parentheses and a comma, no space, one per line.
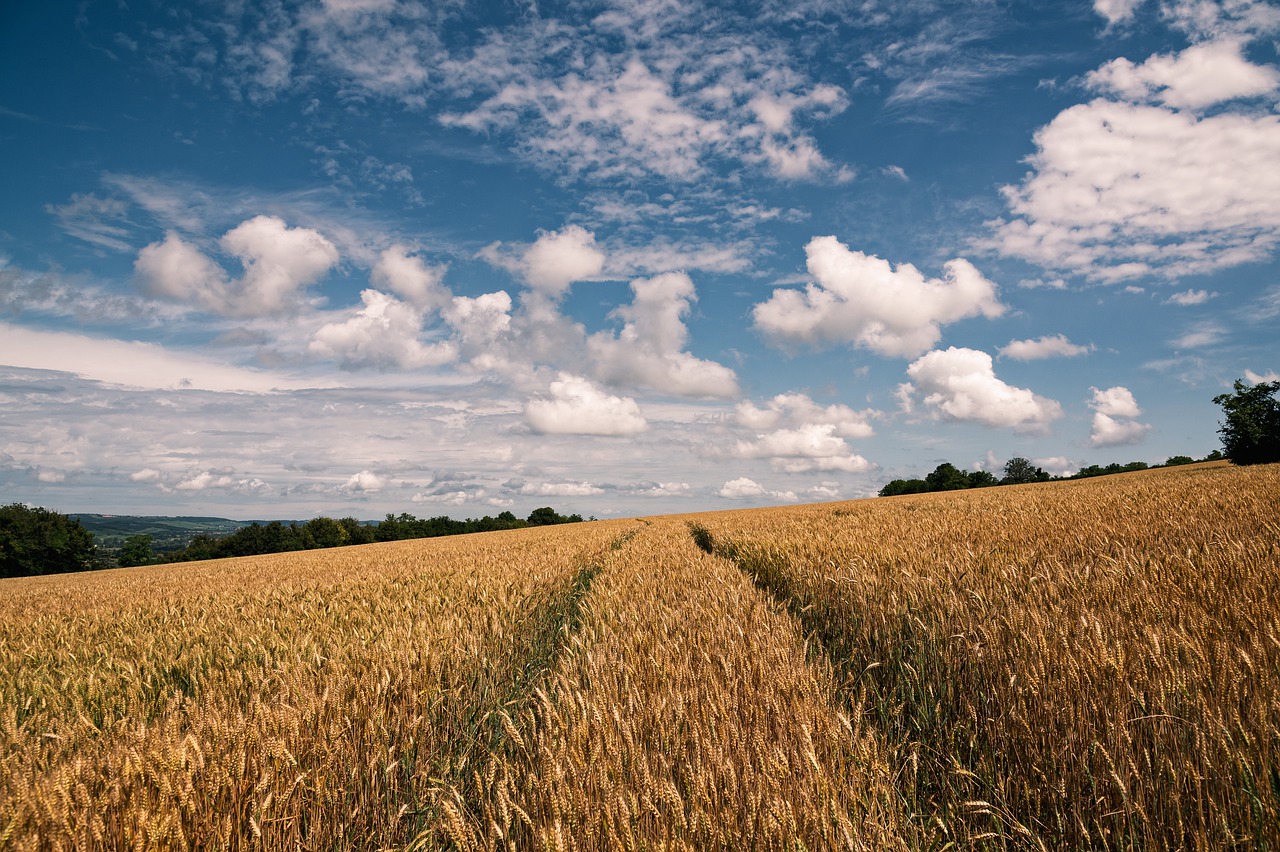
(1251,433)
(947,477)
(1174,461)
(904,486)
(1018,471)
(547,515)
(325,532)
(981,479)
(37,541)
(136,550)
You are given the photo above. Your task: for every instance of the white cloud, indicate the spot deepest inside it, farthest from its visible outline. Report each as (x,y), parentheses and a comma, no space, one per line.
(1190,297)
(449,498)
(175,269)
(1037,283)
(409,277)
(1113,419)
(560,489)
(1258,378)
(1049,346)
(142,365)
(668,113)
(1121,191)
(1116,11)
(660,489)
(960,384)
(100,221)
(480,323)
(222,480)
(862,300)
(744,488)
(51,476)
(807,448)
(649,351)
(559,258)
(147,474)
(1116,402)
(1210,19)
(609,121)
(365,482)
(278,261)
(661,254)
(1199,336)
(796,409)
(383,333)
(1112,432)
(1198,77)
(1056,465)
(577,407)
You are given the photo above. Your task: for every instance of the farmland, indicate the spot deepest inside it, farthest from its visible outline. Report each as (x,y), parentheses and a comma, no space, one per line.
(1088,664)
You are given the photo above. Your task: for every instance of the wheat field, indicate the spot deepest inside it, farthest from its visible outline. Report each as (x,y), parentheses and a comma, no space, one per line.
(1090,664)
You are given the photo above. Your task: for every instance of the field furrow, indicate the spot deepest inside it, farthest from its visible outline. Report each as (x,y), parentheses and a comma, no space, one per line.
(684,716)
(1084,665)
(310,700)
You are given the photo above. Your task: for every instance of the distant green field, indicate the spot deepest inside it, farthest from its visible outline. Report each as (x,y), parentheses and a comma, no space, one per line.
(110,531)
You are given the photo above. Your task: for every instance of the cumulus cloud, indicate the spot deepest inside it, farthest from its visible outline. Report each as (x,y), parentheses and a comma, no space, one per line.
(175,269)
(560,489)
(796,409)
(961,384)
(479,322)
(410,278)
(743,488)
(1190,297)
(1113,418)
(1049,346)
(559,258)
(574,406)
(807,448)
(278,262)
(365,482)
(1116,11)
(1198,77)
(649,351)
(1056,465)
(383,333)
(224,480)
(1110,431)
(1258,378)
(1116,402)
(1122,190)
(659,489)
(798,435)
(860,299)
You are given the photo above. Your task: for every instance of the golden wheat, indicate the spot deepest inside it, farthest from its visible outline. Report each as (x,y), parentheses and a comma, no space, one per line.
(272,702)
(683,716)
(1093,664)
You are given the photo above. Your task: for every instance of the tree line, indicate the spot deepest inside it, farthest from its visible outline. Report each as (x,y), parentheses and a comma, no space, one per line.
(322,532)
(1017,471)
(35,541)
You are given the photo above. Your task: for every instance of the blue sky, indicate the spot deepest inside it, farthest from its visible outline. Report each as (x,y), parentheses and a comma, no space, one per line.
(278,259)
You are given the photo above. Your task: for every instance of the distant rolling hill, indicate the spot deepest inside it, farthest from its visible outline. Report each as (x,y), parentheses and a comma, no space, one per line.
(167,533)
